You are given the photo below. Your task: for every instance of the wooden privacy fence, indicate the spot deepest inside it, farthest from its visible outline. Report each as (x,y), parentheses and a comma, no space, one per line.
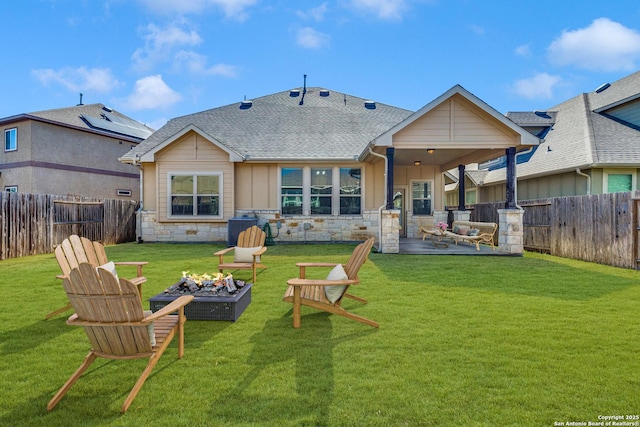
(35,223)
(602,228)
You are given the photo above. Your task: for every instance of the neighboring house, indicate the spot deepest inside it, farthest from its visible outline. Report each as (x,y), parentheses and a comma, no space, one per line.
(591,145)
(71,151)
(314,164)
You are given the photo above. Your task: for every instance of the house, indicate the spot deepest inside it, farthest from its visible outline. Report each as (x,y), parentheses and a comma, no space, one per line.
(71,151)
(590,145)
(311,164)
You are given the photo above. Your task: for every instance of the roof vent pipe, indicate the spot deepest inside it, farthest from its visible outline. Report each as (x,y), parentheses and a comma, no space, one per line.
(304,90)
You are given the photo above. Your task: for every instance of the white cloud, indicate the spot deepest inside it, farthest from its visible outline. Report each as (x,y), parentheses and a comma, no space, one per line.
(604,45)
(540,86)
(383,9)
(311,39)
(79,79)
(159,42)
(152,92)
(315,14)
(235,9)
(195,63)
(524,50)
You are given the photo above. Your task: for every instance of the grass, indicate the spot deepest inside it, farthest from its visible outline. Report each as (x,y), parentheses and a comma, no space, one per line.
(522,341)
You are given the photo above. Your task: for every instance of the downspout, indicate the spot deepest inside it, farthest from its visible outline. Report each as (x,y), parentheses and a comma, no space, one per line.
(384,205)
(579,172)
(136,163)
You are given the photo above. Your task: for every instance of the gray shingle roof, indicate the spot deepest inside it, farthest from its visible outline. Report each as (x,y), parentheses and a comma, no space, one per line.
(277,127)
(73,116)
(582,138)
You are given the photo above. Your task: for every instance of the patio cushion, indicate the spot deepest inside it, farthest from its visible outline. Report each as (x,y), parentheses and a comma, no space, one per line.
(111,268)
(333,293)
(473,232)
(245,254)
(150,328)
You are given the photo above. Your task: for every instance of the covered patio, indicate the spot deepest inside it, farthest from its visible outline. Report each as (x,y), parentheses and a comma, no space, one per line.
(413,246)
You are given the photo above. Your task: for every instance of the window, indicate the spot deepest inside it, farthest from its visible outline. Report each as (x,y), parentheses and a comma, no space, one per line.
(619,182)
(123,193)
(320,191)
(11,188)
(195,195)
(291,191)
(350,191)
(10,139)
(421,197)
(470,197)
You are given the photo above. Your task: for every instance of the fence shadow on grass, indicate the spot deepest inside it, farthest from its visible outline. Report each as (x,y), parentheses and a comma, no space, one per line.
(526,276)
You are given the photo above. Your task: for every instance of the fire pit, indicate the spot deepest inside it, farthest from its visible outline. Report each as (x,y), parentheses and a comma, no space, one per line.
(215,297)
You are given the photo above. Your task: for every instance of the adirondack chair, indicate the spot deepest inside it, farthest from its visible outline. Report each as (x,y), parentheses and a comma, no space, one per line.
(247,252)
(327,294)
(74,250)
(110,311)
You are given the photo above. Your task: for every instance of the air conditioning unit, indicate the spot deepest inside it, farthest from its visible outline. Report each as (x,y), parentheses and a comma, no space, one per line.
(238,225)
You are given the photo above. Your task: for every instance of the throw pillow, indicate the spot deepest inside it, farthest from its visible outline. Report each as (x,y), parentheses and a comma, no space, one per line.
(111,268)
(473,232)
(333,293)
(456,229)
(463,230)
(245,254)
(151,329)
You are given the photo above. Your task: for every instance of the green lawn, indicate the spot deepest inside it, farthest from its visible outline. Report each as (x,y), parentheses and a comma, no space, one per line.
(495,341)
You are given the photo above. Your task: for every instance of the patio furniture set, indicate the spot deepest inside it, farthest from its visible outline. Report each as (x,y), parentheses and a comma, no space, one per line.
(472,232)
(110,308)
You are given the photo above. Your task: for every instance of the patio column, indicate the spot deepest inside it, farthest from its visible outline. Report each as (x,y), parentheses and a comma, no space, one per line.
(510,231)
(512,180)
(461,192)
(390,151)
(390,231)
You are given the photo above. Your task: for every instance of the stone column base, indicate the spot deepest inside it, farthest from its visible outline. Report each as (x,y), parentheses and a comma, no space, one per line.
(510,231)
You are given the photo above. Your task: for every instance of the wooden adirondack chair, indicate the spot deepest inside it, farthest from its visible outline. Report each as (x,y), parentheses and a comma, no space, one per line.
(110,311)
(311,292)
(75,250)
(247,252)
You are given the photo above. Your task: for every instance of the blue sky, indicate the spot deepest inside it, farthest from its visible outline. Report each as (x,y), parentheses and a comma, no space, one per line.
(158,59)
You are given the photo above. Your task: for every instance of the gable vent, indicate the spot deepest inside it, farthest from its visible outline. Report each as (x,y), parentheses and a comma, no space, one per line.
(294,93)
(370,105)
(245,105)
(603,87)
(324,92)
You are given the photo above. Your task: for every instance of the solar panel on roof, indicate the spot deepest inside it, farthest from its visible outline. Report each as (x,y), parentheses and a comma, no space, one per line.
(109,126)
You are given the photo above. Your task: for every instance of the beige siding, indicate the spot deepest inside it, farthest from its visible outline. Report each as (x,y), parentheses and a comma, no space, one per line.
(256,186)
(373,185)
(455,121)
(193,153)
(150,182)
(404,175)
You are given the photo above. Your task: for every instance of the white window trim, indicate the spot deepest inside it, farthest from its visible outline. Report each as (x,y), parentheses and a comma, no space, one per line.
(194,216)
(11,188)
(5,140)
(335,195)
(410,190)
(630,171)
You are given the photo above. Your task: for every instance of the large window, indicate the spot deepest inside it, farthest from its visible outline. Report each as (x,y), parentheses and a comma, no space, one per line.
(320,191)
(421,197)
(195,195)
(10,139)
(350,190)
(291,191)
(617,182)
